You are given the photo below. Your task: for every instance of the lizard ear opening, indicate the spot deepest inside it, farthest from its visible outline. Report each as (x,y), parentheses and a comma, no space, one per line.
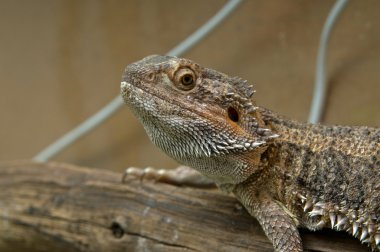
(233,114)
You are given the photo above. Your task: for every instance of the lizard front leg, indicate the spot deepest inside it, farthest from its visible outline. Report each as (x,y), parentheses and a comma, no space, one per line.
(277,224)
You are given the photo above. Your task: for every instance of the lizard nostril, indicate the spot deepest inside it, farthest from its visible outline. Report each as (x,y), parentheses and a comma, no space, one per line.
(233,114)
(151,76)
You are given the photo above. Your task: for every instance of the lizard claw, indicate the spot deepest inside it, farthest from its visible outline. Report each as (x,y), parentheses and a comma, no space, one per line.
(148,173)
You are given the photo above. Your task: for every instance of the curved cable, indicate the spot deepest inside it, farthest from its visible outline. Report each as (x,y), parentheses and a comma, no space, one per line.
(112,107)
(319,96)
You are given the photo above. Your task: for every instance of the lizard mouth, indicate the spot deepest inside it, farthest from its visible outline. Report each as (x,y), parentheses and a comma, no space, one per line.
(125,88)
(132,93)
(143,99)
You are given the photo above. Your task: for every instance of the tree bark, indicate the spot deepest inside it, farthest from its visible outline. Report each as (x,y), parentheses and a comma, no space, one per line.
(61,207)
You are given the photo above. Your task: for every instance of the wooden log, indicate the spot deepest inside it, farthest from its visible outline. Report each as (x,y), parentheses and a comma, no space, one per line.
(61,207)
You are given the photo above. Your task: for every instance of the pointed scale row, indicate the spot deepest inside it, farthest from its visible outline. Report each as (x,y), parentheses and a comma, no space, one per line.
(243,86)
(362,227)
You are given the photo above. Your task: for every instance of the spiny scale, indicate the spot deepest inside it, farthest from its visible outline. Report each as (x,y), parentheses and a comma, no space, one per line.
(243,86)
(368,232)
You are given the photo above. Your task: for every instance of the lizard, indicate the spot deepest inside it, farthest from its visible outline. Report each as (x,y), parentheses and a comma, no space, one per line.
(287,174)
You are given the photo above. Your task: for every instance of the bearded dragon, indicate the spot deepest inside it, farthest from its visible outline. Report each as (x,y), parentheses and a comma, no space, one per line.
(287,174)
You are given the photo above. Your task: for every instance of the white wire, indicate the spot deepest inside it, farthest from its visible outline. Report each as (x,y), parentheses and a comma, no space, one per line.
(112,107)
(205,29)
(319,97)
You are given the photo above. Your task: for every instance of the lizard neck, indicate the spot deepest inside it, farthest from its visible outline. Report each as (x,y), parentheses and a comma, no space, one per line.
(321,140)
(295,153)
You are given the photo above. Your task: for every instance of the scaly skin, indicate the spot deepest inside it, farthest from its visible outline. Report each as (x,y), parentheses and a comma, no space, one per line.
(287,174)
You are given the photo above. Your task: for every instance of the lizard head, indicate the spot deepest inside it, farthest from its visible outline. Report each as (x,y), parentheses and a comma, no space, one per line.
(198,116)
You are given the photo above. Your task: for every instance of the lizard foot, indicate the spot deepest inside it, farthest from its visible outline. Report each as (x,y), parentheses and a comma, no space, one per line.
(181,176)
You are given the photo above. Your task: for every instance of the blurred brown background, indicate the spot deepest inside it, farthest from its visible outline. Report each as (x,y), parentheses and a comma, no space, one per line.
(62,60)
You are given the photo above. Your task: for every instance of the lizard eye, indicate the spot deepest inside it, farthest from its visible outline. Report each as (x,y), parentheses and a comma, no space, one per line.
(185,79)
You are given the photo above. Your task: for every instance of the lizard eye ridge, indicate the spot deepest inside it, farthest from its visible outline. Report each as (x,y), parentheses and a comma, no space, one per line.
(185,79)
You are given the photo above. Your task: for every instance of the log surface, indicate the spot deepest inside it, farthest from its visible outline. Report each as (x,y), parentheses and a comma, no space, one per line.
(61,207)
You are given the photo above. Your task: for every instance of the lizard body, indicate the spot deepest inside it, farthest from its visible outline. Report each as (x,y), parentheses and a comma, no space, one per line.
(287,174)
